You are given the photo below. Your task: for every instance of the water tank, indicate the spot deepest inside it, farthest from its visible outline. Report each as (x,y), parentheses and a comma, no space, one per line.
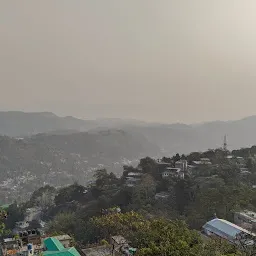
(30,248)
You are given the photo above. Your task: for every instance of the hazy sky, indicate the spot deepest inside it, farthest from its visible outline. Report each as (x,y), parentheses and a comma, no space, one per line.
(156,60)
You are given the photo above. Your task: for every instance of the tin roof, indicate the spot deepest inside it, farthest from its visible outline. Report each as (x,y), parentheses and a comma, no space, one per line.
(224,228)
(65,252)
(53,244)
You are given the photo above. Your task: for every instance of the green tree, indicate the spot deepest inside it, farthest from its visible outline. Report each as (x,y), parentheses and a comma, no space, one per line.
(157,236)
(15,213)
(148,165)
(75,192)
(63,223)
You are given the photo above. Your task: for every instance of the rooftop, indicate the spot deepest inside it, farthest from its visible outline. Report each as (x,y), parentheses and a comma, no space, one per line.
(119,239)
(163,163)
(53,244)
(172,169)
(55,247)
(65,252)
(97,251)
(224,228)
(7,240)
(202,162)
(134,174)
(204,159)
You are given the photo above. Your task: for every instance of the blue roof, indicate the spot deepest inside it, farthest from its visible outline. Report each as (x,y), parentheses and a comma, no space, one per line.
(224,228)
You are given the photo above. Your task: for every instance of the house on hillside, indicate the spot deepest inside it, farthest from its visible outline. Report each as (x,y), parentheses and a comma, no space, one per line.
(182,164)
(202,161)
(172,172)
(133,179)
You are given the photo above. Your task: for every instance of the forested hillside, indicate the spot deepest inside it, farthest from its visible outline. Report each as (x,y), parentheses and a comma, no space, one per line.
(156,225)
(27,164)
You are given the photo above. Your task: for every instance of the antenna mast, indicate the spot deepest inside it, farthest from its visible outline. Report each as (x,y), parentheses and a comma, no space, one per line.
(225,144)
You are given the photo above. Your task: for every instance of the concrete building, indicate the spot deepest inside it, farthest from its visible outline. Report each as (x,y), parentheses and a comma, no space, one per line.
(245,219)
(172,172)
(134,174)
(203,161)
(182,164)
(131,182)
(121,246)
(133,178)
(228,231)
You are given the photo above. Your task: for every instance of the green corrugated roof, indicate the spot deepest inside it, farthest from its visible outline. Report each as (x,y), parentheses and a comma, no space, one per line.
(53,244)
(65,252)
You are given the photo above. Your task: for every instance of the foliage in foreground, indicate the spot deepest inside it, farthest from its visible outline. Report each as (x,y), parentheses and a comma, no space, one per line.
(157,236)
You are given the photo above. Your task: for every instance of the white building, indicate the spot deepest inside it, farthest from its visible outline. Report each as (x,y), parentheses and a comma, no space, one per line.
(203,161)
(133,178)
(172,172)
(182,164)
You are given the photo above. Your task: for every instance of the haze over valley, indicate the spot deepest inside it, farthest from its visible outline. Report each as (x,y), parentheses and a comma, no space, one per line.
(43,148)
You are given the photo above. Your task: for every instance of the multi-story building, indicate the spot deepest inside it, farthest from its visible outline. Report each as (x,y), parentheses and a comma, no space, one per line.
(182,164)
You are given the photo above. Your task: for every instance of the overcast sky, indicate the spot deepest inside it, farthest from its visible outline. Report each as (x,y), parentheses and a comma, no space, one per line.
(156,60)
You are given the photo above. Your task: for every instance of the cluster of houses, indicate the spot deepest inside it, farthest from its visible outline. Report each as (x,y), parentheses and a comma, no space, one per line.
(35,243)
(181,168)
(62,246)
(29,238)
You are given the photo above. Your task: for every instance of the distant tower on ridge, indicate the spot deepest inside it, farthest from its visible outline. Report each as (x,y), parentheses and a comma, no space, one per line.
(225,144)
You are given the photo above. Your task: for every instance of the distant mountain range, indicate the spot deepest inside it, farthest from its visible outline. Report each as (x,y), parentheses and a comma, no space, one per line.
(42,147)
(170,138)
(20,124)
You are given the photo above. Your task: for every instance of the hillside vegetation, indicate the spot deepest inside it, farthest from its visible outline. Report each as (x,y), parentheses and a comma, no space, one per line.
(156,227)
(26,164)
